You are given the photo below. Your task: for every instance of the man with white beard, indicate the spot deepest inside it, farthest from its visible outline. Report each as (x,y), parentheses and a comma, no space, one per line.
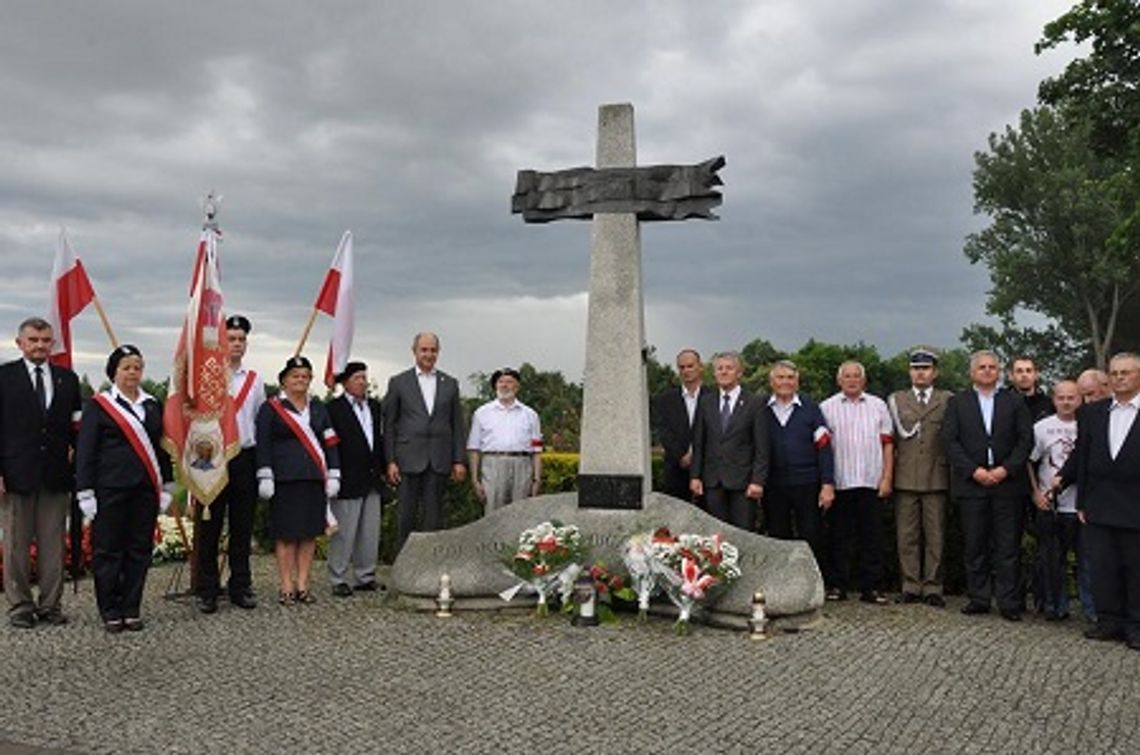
(505,445)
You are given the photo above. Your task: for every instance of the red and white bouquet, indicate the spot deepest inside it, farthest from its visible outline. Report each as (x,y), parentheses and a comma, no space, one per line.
(548,556)
(691,569)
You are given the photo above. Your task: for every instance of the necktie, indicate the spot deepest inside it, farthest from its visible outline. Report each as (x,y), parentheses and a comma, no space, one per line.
(922,397)
(41,393)
(725,413)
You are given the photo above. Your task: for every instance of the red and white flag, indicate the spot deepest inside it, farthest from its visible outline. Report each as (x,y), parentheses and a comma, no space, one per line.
(71,291)
(335,300)
(198,419)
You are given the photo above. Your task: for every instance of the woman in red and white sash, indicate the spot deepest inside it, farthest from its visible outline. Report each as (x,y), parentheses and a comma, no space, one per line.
(298,471)
(124,480)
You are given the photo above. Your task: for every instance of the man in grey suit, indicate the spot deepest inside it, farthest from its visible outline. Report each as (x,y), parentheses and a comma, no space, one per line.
(922,477)
(423,439)
(730,447)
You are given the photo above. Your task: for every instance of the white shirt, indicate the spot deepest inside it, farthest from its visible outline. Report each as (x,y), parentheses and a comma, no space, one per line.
(691,401)
(136,406)
(246,414)
(1053,441)
(733,395)
(784,411)
(1120,419)
(986,406)
(363,415)
(859,428)
(49,390)
(505,428)
(428,381)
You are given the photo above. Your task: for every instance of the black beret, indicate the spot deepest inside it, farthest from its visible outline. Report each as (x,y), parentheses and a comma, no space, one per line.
(504,371)
(126,350)
(238,322)
(293,363)
(351,369)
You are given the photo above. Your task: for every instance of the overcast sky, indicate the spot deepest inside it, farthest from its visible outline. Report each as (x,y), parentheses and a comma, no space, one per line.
(848,128)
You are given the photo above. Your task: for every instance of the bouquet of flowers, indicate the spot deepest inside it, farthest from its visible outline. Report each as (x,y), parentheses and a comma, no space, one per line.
(549,556)
(607,586)
(643,557)
(691,569)
(168,543)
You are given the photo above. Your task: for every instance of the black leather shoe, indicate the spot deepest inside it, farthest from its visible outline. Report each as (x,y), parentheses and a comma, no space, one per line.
(244,599)
(207,604)
(1099,632)
(975,609)
(874,596)
(835,595)
(113,626)
(936,601)
(1011,615)
(341,590)
(1133,643)
(133,625)
(53,618)
(908,597)
(366,587)
(25,620)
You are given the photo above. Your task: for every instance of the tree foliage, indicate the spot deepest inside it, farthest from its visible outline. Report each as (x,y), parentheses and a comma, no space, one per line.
(1054,205)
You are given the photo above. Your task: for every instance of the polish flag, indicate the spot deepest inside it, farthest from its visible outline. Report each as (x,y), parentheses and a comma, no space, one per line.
(71,291)
(335,300)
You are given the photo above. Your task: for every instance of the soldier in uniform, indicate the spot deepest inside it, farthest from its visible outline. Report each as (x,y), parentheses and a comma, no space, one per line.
(922,479)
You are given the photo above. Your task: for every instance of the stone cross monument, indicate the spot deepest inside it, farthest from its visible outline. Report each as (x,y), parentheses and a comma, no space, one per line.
(614,471)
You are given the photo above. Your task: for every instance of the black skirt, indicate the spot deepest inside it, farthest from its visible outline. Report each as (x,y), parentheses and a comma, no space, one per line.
(297,511)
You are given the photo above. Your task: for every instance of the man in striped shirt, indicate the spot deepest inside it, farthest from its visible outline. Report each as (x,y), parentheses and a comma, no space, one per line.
(861,430)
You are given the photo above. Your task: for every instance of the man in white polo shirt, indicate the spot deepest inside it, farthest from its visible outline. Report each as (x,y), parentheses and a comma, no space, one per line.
(504,447)
(861,427)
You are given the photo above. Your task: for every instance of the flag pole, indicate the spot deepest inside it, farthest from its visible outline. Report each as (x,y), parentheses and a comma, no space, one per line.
(308,328)
(106,323)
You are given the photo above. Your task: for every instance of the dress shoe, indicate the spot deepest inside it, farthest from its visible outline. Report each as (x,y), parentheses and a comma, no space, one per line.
(1054,616)
(1011,614)
(25,620)
(1133,643)
(935,600)
(113,626)
(207,603)
(874,596)
(975,609)
(53,618)
(366,587)
(341,590)
(244,599)
(835,595)
(1101,632)
(908,597)
(133,625)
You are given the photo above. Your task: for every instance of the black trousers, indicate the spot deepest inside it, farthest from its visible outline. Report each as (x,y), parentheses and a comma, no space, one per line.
(856,523)
(1057,534)
(731,506)
(1115,556)
(675,482)
(992,528)
(420,505)
(122,538)
(785,505)
(237,502)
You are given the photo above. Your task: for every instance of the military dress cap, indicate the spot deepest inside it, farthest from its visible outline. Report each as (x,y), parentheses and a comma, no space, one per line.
(923,358)
(504,371)
(293,363)
(351,369)
(118,355)
(238,322)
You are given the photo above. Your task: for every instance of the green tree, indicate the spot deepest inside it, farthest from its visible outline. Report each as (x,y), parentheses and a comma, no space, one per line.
(1054,204)
(1056,355)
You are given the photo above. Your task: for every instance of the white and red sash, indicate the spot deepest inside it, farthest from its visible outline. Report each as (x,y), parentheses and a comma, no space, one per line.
(243,393)
(135,433)
(304,433)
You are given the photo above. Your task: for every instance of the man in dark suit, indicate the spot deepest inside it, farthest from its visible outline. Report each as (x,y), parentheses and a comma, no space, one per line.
(988,435)
(39,415)
(1107,475)
(730,447)
(423,439)
(354,547)
(673,413)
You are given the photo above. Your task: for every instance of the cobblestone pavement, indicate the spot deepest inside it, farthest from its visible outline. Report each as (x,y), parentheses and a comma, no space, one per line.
(357,675)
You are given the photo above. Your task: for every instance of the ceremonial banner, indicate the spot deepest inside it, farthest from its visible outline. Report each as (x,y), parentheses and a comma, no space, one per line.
(335,299)
(71,292)
(198,421)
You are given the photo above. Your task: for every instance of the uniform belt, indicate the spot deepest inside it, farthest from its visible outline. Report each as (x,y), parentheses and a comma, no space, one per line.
(507,453)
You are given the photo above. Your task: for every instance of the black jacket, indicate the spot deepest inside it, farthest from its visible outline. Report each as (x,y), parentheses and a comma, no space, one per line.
(105,457)
(361,467)
(967,443)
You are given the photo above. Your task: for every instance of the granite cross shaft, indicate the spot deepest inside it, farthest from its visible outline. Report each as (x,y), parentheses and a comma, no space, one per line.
(614,469)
